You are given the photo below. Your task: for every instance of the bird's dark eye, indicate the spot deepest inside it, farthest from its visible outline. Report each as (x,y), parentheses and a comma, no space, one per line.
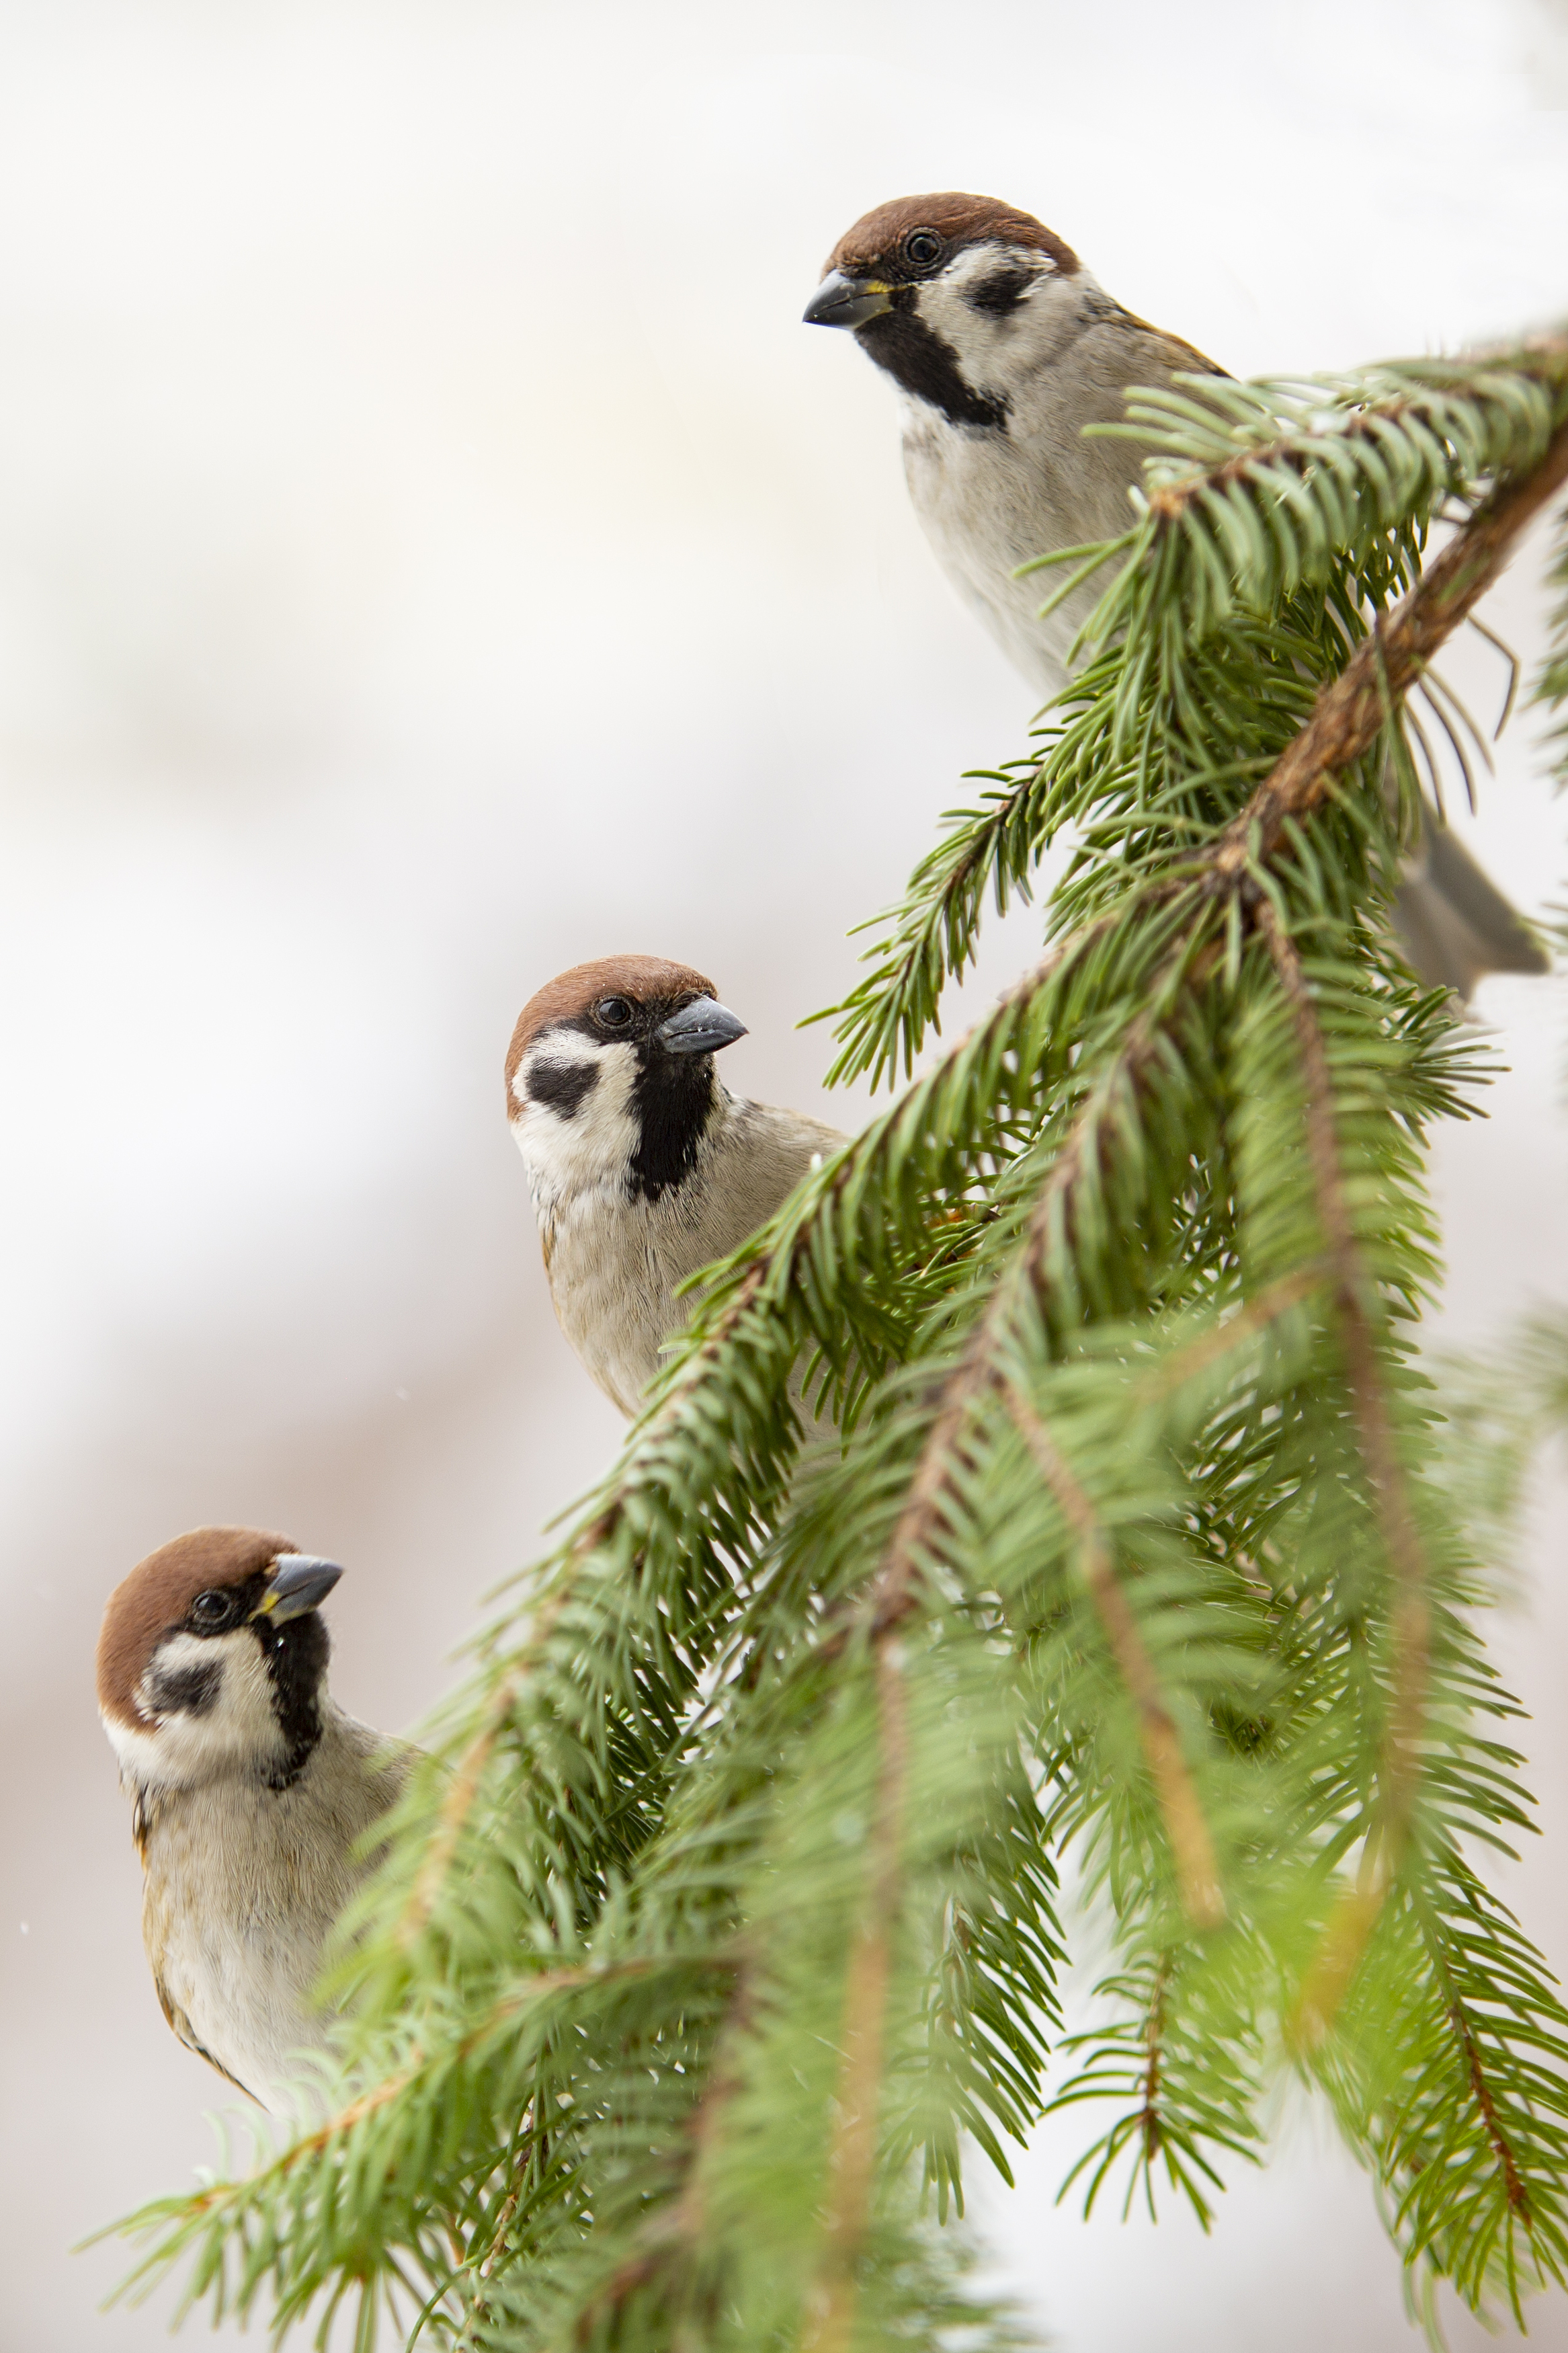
(613,1012)
(922,247)
(212,1610)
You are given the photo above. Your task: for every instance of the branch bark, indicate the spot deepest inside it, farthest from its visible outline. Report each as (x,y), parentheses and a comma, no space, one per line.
(1348,716)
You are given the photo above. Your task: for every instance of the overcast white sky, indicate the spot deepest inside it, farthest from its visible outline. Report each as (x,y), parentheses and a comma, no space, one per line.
(432,551)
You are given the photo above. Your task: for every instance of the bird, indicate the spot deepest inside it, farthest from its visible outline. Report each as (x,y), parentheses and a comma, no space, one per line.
(250,1789)
(642,1165)
(1003,349)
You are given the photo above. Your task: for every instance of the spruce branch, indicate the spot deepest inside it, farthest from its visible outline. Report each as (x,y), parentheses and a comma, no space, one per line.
(977,1369)
(588,1539)
(1514,2189)
(1257,1314)
(1351,715)
(1151,2131)
(1204,559)
(478,2307)
(676,2230)
(726,1922)
(1147,2057)
(537,1988)
(852,2157)
(1344,1940)
(464,1786)
(1197,1871)
(1405,428)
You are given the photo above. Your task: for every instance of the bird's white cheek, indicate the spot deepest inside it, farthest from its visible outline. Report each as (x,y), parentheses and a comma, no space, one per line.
(138,1751)
(995,354)
(226,1721)
(587,1147)
(973,336)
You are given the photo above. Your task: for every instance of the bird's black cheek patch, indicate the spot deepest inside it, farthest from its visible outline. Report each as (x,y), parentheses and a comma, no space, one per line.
(185,1691)
(563,1087)
(996,296)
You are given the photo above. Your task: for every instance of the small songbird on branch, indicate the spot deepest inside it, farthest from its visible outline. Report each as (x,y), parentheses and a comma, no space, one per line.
(250,1789)
(642,1165)
(1003,349)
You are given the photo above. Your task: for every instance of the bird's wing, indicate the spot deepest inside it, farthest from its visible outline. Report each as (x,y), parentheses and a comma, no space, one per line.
(187,2034)
(1454,923)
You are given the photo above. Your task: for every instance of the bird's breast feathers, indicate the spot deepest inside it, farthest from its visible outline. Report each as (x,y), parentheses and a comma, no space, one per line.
(243,1884)
(619,1259)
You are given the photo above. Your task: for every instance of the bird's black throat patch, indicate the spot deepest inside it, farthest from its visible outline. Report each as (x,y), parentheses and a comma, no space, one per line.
(925,364)
(296,1654)
(671,1101)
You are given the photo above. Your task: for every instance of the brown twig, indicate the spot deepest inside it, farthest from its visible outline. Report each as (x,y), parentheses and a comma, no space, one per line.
(1348,715)
(679,2221)
(1514,2190)
(465,1785)
(852,2158)
(975,1371)
(1345,1938)
(1264,1308)
(478,2307)
(1150,2126)
(1171,499)
(893,1598)
(853,2154)
(547,1982)
(1191,1849)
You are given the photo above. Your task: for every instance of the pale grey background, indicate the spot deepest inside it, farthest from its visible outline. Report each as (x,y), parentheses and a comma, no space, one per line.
(431,551)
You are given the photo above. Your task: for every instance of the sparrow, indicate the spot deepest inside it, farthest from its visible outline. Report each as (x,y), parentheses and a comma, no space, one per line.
(1003,349)
(642,1165)
(250,1789)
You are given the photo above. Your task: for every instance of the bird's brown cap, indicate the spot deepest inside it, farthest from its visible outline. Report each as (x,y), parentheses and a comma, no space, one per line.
(157,1595)
(871,247)
(648,980)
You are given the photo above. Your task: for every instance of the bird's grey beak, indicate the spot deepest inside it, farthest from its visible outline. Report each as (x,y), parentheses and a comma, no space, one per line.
(700,1027)
(841,301)
(298,1582)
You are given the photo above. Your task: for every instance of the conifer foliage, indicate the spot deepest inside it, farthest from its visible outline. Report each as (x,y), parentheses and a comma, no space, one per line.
(722,1935)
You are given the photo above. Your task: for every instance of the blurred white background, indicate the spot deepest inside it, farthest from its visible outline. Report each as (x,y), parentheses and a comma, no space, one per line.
(432,551)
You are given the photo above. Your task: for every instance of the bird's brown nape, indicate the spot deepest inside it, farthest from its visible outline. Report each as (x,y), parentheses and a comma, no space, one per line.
(570,994)
(157,1595)
(872,243)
